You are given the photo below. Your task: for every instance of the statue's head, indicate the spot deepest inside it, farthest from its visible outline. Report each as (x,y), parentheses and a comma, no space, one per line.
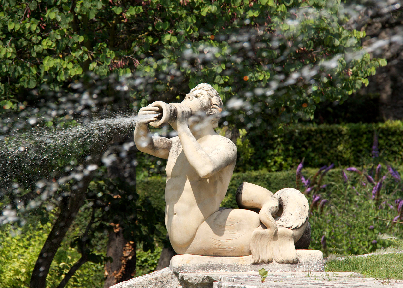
(210,101)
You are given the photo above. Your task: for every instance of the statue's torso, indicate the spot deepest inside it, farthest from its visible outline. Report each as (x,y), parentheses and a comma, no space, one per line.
(189,198)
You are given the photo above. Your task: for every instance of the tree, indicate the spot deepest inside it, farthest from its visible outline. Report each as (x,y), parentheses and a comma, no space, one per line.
(297,51)
(272,62)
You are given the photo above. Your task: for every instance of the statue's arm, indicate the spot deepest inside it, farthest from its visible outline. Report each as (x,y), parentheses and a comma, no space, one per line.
(147,143)
(205,163)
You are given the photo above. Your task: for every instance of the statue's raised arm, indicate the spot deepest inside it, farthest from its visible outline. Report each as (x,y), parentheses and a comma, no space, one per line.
(145,142)
(197,117)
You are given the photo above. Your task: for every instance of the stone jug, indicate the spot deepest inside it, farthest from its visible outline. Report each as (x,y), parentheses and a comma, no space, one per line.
(167,112)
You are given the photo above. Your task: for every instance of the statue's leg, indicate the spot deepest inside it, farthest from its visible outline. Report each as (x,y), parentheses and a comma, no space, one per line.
(227,232)
(261,245)
(283,246)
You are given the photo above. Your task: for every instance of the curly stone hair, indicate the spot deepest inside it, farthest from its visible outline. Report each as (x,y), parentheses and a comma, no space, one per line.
(216,102)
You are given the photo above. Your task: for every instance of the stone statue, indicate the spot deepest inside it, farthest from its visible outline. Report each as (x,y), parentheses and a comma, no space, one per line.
(199,168)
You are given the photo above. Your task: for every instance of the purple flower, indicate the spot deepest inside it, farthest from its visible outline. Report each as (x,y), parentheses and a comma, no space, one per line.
(378,171)
(353,169)
(322,168)
(323,186)
(299,168)
(322,203)
(299,174)
(315,199)
(397,201)
(371,227)
(370,179)
(374,242)
(363,183)
(328,168)
(345,178)
(394,173)
(396,218)
(375,151)
(308,190)
(306,182)
(399,207)
(377,188)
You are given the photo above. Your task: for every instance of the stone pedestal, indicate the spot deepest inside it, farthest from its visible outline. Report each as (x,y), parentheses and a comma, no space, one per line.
(308,261)
(195,271)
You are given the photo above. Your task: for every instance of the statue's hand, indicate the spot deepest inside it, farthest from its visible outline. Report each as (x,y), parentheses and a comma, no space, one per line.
(148,114)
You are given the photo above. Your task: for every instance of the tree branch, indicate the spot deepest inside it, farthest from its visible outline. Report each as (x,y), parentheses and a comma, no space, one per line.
(73,270)
(84,256)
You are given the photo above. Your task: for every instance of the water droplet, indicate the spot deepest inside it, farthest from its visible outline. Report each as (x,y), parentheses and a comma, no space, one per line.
(32,120)
(92,167)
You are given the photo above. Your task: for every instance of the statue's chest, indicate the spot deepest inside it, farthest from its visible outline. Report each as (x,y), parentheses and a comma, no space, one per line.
(176,160)
(178,164)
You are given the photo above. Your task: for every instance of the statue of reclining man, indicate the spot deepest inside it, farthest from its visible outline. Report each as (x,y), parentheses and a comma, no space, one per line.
(199,168)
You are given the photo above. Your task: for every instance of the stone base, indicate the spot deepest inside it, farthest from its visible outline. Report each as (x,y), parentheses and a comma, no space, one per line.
(308,261)
(167,279)
(195,271)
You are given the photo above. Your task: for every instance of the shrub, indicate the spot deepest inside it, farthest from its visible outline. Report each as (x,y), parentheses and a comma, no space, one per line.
(20,248)
(357,214)
(345,145)
(146,262)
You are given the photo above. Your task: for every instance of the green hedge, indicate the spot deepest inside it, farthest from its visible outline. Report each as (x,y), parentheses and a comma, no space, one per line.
(351,221)
(344,145)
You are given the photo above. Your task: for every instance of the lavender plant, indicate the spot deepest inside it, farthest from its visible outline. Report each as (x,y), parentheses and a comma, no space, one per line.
(354,215)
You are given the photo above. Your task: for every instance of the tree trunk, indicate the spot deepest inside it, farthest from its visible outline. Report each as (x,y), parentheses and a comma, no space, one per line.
(123,253)
(166,254)
(69,210)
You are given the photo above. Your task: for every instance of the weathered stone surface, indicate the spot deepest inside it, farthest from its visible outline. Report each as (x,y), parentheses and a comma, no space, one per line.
(308,260)
(306,280)
(167,279)
(164,278)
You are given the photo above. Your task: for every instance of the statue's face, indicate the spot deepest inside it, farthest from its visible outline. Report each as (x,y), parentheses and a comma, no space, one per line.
(197,101)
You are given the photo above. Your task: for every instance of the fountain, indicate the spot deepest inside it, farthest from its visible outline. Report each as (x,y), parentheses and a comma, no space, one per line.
(52,150)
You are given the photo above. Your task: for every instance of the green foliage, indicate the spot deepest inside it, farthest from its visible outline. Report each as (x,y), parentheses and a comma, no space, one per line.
(146,262)
(263,274)
(354,215)
(19,249)
(244,151)
(387,266)
(281,59)
(351,223)
(345,145)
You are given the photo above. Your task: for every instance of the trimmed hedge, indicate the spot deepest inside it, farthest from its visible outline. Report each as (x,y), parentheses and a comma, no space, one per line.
(344,145)
(349,219)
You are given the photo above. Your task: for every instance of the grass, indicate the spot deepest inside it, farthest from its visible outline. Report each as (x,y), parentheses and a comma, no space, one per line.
(381,266)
